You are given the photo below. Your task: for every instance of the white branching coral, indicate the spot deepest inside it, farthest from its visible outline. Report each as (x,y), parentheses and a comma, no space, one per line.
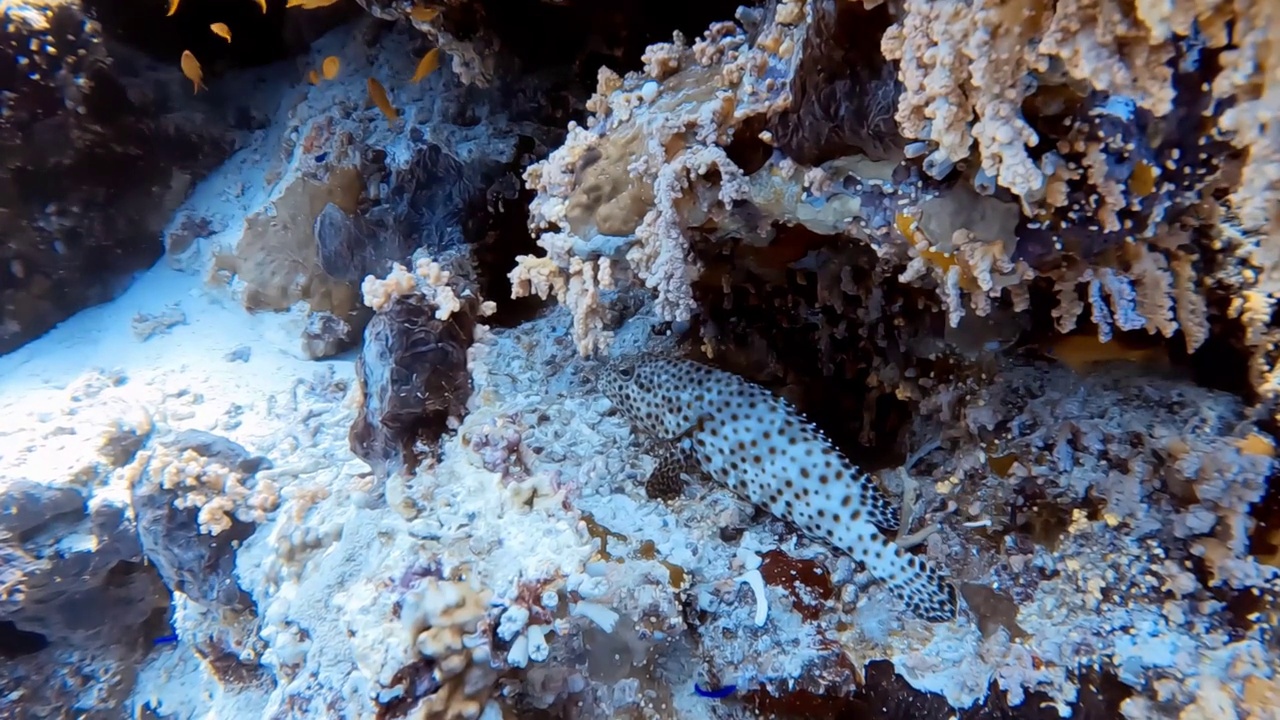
(619,195)
(218,492)
(1250,77)
(428,279)
(662,258)
(928,44)
(968,65)
(1157,293)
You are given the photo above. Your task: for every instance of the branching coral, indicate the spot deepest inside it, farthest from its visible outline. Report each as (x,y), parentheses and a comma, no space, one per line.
(1250,81)
(1088,115)
(217,492)
(1135,150)
(945,50)
(650,166)
(968,68)
(1250,84)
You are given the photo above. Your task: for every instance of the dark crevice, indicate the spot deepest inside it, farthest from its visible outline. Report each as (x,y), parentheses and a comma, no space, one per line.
(16,642)
(846,93)
(1238,605)
(777,327)
(419,681)
(506,238)
(1129,142)
(746,149)
(588,35)
(159,624)
(119,575)
(1219,363)
(885,695)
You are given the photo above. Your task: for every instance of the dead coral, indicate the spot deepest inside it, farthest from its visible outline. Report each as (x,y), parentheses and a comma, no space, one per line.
(1152,480)
(440,613)
(1250,85)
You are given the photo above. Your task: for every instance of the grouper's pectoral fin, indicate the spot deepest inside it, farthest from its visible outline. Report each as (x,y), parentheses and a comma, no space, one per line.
(675,459)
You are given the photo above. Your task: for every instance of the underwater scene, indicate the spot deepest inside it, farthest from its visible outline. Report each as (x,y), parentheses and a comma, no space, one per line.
(639,359)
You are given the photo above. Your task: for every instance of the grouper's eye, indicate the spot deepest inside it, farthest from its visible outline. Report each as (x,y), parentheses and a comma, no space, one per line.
(627,372)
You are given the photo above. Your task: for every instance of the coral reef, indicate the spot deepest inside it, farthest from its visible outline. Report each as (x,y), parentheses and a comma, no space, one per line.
(1074,139)
(349,195)
(989,248)
(1044,160)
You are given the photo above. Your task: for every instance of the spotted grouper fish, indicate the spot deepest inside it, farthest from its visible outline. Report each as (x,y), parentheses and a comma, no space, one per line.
(759,446)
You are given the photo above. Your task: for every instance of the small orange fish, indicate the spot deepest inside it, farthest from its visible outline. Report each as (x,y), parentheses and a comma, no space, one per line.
(378,94)
(330,67)
(1079,352)
(426,65)
(1256,444)
(313,77)
(173,8)
(422,14)
(191,68)
(221,30)
(263,4)
(309,4)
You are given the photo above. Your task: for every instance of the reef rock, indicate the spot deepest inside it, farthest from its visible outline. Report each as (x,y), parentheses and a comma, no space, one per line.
(183,524)
(412,371)
(95,155)
(75,589)
(63,558)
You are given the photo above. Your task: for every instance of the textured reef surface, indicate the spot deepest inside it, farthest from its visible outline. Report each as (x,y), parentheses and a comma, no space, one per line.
(355,446)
